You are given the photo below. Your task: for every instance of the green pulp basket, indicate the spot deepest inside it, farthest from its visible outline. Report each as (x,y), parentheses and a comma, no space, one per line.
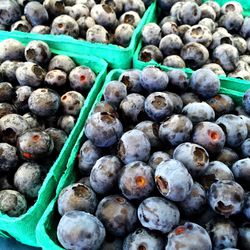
(23,228)
(233,84)
(46,228)
(116,56)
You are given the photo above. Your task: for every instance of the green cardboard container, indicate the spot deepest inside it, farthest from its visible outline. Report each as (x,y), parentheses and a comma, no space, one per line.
(226,82)
(23,228)
(47,226)
(116,56)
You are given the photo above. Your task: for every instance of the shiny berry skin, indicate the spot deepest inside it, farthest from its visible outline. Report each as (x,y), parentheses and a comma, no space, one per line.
(58,136)
(80,230)
(28,179)
(81,78)
(189,236)
(12,203)
(226,197)
(190,13)
(44,102)
(134,145)
(178,79)
(234,128)
(66,123)
(210,136)
(34,145)
(175,130)
(170,45)
(136,180)
(100,122)
(8,157)
(115,92)
(157,158)
(117,215)
(72,102)
(241,170)
(77,197)
(158,214)
(10,12)
(151,34)
(11,49)
(173,180)
(123,34)
(104,174)
(194,157)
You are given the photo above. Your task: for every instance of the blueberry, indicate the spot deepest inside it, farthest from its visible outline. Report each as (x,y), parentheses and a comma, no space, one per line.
(168,19)
(153,79)
(34,145)
(178,79)
(103,106)
(234,128)
(65,25)
(135,5)
(209,23)
(40,29)
(44,102)
(174,61)
(136,180)
(30,74)
(8,157)
(182,29)
(37,52)
(97,34)
(104,174)
(21,25)
(246,209)
(226,197)
(134,145)
(223,233)
(28,179)
(245,148)
(173,180)
(89,3)
(143,239)
(194,54)
(215,6)
(227,156)
(170,45)
(123,34)
(72,102)
(6,108)
(36,13)
(10,12)
(247,122)
(117,215)
(111,243)
(88,156)
(246,101)
(175,8)
(104,15)
(8,70)
(150,52)
(169,28)
(240,43)
(33,121)
(166,5)
(77,197)
(190,13)
(199,34)
(198,112)
(116,5)
(176,100)
(194,157)
(99,123)
(79,10)
(245,31)
(81,78)
(55,7)
(132,107)
(216,171)
(158,214)
(226,56)
(115,92)
(207,12)
(221,104)
(151,34)
(56,78)
(157,158)
(150,129)
(189,236)
(61,62)
(232,6)
(244,239)
(11,49)
(22,95)
(231,21)
(58,136)
(6,92)
(130,17)
(158,106)
(195,202)
(84,24)
(210,136)
(220,37)
(80,230)
(241,170)
(11,126)
(12,203)
(66,123)
(132,79)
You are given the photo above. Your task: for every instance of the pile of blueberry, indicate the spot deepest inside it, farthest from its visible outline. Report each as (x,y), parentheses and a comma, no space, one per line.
(41,96)
(200,36)
(165,166)
(106,21)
